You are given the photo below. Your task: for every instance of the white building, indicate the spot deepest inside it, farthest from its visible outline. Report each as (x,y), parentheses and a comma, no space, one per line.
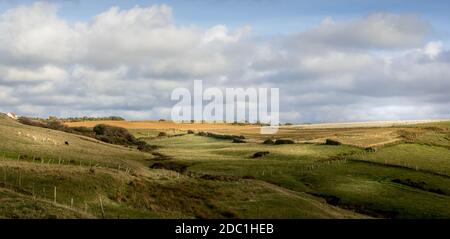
(12,115)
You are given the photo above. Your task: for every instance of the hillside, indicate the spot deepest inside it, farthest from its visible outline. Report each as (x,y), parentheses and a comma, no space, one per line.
(42,176)
(394,171)
(383,172)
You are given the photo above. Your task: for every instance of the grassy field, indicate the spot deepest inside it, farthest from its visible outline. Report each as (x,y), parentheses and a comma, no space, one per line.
(42,177)
(342,175)
(399,170)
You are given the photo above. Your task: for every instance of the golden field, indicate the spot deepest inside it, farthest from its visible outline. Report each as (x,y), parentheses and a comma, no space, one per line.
(361,134)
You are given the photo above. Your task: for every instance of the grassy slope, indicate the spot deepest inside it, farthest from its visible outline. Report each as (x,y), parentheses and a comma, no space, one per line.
(415,156)
(293,181)
(32,142)
(87,173)
(329,172)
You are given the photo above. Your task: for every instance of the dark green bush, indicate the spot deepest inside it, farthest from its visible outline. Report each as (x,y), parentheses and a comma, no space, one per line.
(284,141)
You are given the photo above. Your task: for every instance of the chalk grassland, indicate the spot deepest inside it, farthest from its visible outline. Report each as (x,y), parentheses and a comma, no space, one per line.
(43,177)
(404,174)
(342,175)
(399,170)
(362,134)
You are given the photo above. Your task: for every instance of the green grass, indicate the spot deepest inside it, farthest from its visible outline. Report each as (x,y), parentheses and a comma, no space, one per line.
(15,205)
(330,172)
(86,172)
(415,156)
(50,144)
(222,179)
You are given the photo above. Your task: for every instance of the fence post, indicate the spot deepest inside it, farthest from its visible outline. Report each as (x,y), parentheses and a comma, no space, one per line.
(101,206)
(54,195)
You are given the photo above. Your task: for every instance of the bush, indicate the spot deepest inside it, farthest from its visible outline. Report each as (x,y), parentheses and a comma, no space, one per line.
(162,134)
(332,142)
(260,154)
(170,165)
(49,124)
(28,121)
(114,135)
(57,125)
(284,141)
(83,131)
(238,140)
(85,118)
(221,136)
(144,147)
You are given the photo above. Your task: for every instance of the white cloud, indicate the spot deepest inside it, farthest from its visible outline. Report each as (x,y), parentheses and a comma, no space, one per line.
(220,33)
(378,30)
(35,33)
(22,74)
(126,62)
(433,49)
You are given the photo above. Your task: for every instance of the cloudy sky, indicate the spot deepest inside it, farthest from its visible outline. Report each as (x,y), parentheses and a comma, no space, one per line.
(331,60)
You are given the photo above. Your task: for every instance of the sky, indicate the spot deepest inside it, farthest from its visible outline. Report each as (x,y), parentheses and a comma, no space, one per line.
(333,61)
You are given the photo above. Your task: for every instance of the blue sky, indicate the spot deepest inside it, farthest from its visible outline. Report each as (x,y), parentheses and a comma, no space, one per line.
(332,60)
(265,16)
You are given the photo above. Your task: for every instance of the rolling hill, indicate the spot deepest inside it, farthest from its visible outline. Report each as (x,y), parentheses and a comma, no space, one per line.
(52,174)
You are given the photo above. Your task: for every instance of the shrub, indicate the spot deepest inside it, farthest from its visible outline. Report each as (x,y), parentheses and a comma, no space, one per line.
(57,125)
(170,165)
(260,154)
(83,131)
(162,134)
(284,141)
(85,118)
(221,136)
(28,121)
(238,140)
(332,142)
(146,147)
(114,135)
